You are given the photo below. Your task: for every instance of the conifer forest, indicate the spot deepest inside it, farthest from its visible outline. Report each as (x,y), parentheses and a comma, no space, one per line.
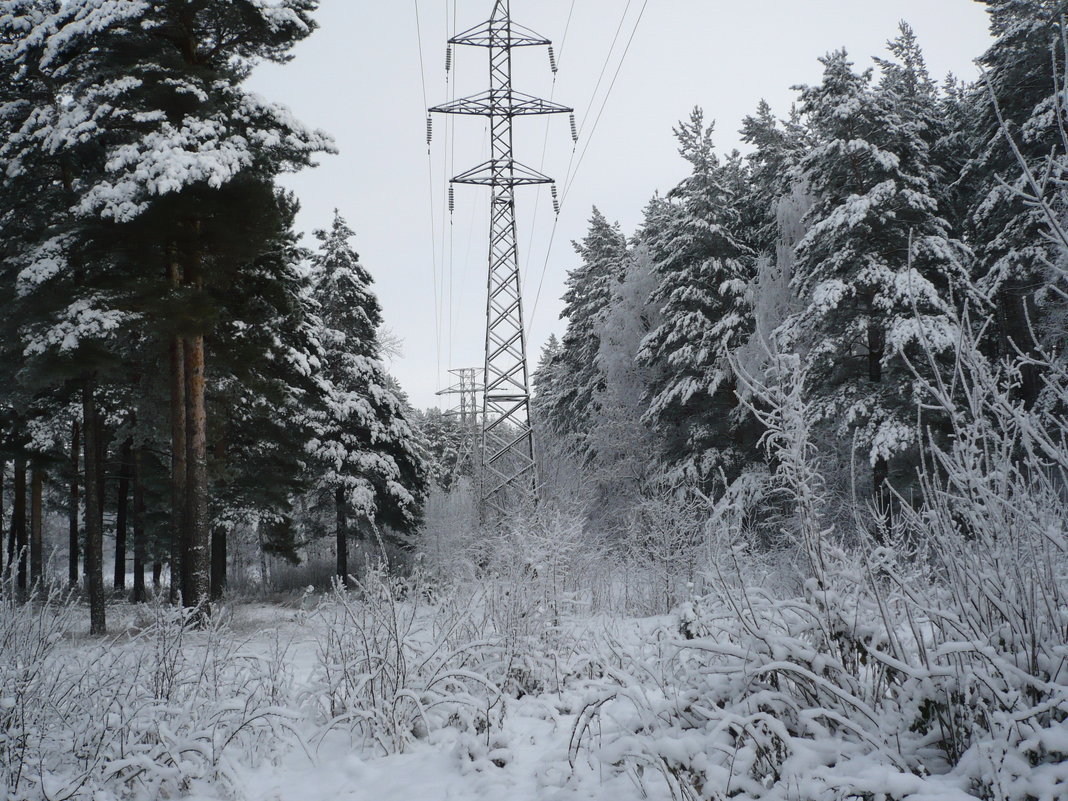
(799,524)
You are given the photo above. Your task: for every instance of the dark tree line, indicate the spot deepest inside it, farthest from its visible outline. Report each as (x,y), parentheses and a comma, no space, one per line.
(167,354)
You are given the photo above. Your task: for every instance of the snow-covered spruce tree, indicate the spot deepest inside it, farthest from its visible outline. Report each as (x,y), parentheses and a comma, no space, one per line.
(876,267)
(703,271)
(170,143)
(449,447)
(265,377)
(372,464)
(603,251)
(1020,97)
(776,147)
(621,443)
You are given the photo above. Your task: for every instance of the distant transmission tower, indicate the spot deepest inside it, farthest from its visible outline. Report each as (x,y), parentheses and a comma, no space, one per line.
(468,390)
(508,463)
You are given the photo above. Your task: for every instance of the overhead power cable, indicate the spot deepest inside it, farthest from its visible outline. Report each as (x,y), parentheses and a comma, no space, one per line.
(571,175)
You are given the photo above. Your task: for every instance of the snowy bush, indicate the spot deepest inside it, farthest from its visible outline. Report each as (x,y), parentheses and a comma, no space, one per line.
(932,666)
(395,665)
(148,715)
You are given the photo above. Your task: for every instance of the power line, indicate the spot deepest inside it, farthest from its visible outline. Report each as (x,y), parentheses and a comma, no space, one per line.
(570,176)
(430,197)
(604,104)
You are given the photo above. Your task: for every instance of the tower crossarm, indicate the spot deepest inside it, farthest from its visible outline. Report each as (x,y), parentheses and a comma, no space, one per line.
(501,104)
(502,172)
(499,32)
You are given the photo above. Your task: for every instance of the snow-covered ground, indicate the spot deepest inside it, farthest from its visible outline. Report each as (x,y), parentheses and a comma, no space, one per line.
(866,684)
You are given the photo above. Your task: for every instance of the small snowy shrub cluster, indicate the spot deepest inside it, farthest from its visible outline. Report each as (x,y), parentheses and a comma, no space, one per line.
(396,664)
(142,716)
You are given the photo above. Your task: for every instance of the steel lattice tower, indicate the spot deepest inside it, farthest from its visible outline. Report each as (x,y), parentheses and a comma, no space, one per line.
(507,439)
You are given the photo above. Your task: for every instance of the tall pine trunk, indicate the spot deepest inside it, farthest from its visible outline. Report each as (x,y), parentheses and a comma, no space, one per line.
(196,421)
(11,532)
(218,563)
(94,531)
(197,476)
(18,521)
(122,518)
(880,468)
(3,478)
(178,527)
(140,545)
(342,533)
(36,526)
(72,507)
(1018,314)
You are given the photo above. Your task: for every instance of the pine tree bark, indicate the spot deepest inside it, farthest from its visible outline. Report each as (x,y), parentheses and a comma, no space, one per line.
(196,481)
(122,519)
(140,545)
(101,470)
(178,523)
(3,478)
(36,526)
(342,534)
(73,544)
(94,531)
(18,522)
(1018,313)
(881,468)
(218,563)
(11,532)
(197,477)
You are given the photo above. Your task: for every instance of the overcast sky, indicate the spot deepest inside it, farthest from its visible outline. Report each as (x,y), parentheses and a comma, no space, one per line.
(360,79)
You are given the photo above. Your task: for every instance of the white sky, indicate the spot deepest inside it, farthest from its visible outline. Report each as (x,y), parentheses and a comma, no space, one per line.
(358,78)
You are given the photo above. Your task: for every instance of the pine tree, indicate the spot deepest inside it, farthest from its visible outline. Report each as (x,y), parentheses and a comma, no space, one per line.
(620,442)
(703,268)
(603,252)
(876,268)
(1020,98)
(184,160)
(372,462)
(776,148)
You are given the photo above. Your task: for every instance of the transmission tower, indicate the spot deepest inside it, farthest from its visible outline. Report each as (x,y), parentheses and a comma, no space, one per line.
(508,463)
(468,389)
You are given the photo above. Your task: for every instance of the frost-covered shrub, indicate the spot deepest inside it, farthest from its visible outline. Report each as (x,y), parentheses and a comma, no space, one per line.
(880,683)
(395,663)
(147,716)
(934,666)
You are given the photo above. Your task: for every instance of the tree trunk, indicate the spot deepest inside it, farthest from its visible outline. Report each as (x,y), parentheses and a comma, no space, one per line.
(157,575)
(218,563)
(140,545)
(1018,312)
(101,472)
(36,531)
(94,534)
(11,533)
(876,349)
(179,538)
(3,476)
(72,507)
(122,518)
(197,477)
(18,521)
(263,556)
(178,526)
(342,533)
